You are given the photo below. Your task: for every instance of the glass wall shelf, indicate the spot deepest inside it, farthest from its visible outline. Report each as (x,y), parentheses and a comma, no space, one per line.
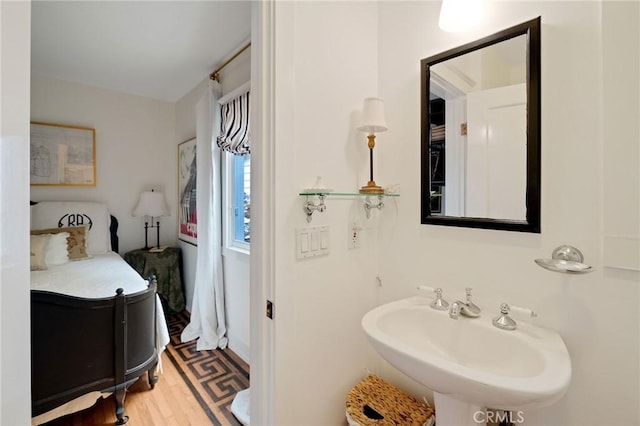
(309,206)
(345,194)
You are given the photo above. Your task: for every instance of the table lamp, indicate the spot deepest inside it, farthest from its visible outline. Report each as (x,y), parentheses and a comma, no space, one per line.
(151,204)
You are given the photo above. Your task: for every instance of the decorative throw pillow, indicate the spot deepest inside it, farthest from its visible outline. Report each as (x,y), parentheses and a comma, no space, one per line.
(38,248)
(56,251)
(76,242)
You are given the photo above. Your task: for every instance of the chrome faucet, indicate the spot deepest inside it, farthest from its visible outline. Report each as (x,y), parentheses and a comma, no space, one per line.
(505,322)
(467,309)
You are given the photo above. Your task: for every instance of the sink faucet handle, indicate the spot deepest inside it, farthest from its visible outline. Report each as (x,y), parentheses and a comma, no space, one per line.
(439,303)
(524,311)
(426,288)
(504,321)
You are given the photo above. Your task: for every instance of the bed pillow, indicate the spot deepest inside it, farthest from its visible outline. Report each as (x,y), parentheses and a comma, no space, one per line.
(59,214)
(76,242)
(38,248)
(56,251)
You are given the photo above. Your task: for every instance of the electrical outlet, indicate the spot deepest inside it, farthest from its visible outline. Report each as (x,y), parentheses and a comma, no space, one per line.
(354,236)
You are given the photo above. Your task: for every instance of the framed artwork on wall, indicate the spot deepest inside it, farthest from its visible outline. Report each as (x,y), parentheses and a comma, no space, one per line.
(62,155)
(187,214)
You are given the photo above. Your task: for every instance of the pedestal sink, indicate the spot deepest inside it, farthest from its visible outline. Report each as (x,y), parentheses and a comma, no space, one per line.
(468,363)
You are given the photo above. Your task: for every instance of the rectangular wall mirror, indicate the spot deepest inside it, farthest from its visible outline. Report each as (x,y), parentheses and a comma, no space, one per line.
(480,133)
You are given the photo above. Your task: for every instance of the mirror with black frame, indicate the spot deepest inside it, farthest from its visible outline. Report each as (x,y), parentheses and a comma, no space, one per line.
(480,133)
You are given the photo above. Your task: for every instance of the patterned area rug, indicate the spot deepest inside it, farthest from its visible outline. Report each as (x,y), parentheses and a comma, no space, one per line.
(214,377)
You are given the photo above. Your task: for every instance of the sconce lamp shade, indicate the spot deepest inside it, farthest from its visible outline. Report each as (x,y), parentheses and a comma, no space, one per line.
(373,116)
(460,15)
(152,204)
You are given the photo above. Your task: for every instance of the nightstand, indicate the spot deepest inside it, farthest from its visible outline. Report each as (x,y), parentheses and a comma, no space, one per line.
(167,267)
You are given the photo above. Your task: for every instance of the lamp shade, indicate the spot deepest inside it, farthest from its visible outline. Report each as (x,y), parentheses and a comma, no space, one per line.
(152,204)
(373,116)
(460,15)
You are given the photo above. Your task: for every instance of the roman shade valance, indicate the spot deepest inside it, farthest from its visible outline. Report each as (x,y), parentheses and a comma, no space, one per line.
(234,130)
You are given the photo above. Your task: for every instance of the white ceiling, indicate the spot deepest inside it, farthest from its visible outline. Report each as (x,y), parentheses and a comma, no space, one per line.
(158,49)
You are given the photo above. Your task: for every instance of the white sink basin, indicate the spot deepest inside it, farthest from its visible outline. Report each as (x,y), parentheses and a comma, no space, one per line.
(469,360)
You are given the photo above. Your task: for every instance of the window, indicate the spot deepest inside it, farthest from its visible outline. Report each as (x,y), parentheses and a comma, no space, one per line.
(237,183)
(242,197)
(235,142)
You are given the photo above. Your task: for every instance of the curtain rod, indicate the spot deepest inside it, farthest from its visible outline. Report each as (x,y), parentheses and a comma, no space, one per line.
(216,74)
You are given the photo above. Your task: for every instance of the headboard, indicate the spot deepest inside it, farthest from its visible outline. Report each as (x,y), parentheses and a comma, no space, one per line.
(113,230)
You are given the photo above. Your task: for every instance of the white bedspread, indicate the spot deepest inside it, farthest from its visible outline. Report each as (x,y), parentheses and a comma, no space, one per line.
(97,277)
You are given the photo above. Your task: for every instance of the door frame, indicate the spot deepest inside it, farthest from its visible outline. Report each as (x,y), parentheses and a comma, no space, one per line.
(262,261)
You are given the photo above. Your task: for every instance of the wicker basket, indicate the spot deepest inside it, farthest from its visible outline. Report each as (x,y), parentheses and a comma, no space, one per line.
(374,402)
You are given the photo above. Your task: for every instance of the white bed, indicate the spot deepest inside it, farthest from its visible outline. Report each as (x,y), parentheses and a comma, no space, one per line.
(98,275)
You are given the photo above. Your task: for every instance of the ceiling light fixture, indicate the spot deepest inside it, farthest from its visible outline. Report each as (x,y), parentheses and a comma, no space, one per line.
(460,15)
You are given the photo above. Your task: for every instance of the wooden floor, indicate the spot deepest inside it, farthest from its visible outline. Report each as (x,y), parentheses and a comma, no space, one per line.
(170,403)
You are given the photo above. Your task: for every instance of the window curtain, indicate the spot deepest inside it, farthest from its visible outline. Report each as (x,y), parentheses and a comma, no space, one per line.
(208,313)
(235,136)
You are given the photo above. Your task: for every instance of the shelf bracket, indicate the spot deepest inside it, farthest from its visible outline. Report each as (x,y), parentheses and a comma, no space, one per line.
(368,205)
(309,207)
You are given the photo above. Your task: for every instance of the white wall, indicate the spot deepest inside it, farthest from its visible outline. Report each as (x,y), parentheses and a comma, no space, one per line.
(15,366)
(235,264)
(596,314)
(325,65)
(135,151)
(375,48)
(621,109)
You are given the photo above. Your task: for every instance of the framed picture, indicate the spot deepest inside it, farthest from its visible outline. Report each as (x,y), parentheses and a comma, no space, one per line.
(62,155)
(187,214)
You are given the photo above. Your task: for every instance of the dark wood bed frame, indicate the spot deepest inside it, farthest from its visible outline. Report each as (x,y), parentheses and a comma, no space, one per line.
(82,345)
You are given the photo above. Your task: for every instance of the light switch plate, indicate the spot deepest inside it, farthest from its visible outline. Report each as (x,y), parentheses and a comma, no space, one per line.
(312,241)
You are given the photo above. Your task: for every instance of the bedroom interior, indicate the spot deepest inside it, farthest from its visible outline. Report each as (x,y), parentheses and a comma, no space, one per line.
(307,359)
(137,128)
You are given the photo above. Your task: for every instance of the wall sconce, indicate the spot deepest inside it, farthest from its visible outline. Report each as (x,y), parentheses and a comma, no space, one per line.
(460,15)
(372,122)
(151,204)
